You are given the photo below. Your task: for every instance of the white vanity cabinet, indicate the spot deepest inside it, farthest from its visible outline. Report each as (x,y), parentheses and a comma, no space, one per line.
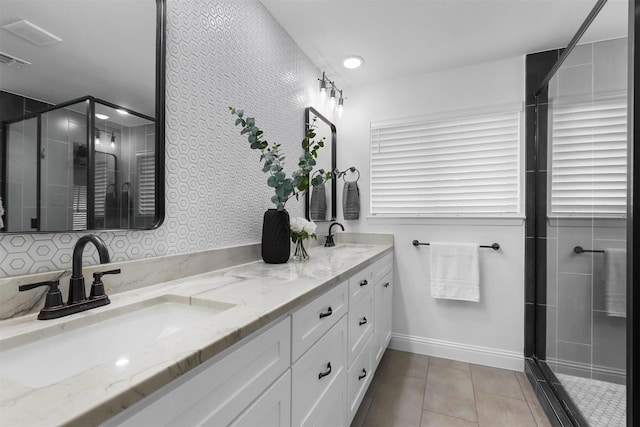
(311,368)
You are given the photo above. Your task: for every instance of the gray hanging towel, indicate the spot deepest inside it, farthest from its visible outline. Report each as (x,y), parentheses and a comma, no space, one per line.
(351,200)
(318,203)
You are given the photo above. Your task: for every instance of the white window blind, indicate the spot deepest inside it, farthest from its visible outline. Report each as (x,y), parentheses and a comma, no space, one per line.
(146,169)
(589,158)
(460,166)
(79,207)
(100,186)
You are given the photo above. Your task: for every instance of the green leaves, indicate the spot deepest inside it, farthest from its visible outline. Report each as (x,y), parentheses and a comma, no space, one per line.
(284,187)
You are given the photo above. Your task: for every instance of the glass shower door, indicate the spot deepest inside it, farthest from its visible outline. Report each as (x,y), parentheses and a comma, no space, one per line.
(586,228)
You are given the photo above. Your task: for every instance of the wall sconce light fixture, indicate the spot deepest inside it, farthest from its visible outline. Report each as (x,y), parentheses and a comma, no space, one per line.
(113,140)
(324,82)
(97,136)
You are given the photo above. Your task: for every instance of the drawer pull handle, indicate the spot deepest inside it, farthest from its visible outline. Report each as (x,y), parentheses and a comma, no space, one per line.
(363,321)
(386,285)
(364,282)
(325,373)
(364,374)
(328,313)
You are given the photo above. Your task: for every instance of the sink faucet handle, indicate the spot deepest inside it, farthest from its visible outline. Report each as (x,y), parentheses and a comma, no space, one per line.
(98,274)
(97,287)
(54,296)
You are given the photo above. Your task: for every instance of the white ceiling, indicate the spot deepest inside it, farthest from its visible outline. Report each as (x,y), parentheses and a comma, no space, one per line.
(108,51)
(400,38)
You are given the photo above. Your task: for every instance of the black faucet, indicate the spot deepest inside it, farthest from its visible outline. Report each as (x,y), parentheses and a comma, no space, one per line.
(329,242)
(77,291)
(78,301)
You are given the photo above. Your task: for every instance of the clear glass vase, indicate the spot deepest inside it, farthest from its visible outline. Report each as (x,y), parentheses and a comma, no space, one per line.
(300,253)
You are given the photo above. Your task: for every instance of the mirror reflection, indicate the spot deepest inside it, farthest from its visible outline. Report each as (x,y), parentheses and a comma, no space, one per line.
(320,203)
(78,110)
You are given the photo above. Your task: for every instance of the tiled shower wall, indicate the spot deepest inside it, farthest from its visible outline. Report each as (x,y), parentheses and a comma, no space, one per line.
(569,327)
(219,53)
(582,338)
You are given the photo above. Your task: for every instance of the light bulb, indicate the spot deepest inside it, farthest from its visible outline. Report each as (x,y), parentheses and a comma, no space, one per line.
(97,137)
(340,106)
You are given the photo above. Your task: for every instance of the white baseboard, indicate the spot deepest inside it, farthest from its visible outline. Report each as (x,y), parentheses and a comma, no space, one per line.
(457,351)
(587,370)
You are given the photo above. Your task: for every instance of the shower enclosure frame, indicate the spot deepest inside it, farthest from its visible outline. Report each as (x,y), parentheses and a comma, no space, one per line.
(552,395)
(90,102)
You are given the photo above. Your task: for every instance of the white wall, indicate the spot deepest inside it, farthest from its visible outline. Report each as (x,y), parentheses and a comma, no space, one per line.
(490,332)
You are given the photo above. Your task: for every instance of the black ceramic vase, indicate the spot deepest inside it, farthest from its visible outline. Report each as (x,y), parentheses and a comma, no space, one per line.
(276,241)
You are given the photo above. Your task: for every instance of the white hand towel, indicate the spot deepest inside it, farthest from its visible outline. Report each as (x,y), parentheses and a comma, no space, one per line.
(455,271)
(615,282)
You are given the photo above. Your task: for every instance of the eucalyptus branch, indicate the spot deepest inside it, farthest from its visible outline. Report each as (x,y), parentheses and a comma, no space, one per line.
(284,187)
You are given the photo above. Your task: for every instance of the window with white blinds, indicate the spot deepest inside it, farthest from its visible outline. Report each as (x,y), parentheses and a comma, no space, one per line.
(458,166)
(589,158)
(146,169)
(79,207)
(100,185)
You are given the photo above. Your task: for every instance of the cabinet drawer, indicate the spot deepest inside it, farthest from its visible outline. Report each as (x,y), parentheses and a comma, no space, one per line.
(310,322)
(222,389)
(382,267)
(321,369)
(361,320)
(358,378)
(360,284)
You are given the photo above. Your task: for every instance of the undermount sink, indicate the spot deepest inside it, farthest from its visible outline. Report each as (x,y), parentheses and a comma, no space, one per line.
(109,337)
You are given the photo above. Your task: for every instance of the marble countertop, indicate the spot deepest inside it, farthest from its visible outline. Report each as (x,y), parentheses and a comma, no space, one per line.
(259,292)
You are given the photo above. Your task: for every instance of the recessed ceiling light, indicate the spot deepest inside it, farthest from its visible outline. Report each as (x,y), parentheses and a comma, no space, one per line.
(352,62)
(121,111)
(101,116)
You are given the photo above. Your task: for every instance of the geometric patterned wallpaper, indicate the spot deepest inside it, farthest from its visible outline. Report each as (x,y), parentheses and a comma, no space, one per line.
(219,53)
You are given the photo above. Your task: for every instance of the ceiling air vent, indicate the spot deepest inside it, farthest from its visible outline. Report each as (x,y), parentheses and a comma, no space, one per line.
(12,61)
(32,32)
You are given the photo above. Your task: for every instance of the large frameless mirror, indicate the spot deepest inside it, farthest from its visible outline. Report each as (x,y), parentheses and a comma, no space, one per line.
(82,111)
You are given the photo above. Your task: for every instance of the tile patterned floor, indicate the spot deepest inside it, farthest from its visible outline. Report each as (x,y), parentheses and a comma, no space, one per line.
(412,390)
(603,404)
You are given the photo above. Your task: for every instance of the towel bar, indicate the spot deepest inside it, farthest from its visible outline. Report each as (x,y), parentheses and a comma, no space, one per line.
(580,249)
(494,246)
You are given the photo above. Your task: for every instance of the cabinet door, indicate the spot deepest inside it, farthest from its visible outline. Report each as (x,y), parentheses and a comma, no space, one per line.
(272,408)
(331,409)
(216,392)
(359,377)
(361,321)
(383,308)
(319,375)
